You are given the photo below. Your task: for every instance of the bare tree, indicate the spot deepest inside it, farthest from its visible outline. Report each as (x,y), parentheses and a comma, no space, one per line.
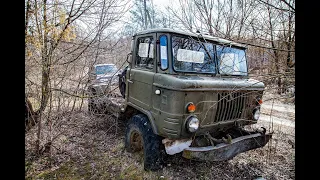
(267,26)
(60,38)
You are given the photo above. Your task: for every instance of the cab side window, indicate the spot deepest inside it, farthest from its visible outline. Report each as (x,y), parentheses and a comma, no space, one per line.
(145,53)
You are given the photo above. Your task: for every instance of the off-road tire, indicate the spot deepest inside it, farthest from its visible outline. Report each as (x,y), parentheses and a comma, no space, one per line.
(153,149)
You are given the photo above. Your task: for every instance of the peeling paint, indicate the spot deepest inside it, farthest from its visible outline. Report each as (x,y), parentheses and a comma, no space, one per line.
(176,146)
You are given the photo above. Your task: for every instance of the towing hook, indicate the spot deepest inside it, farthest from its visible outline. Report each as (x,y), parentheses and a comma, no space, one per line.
(228,140)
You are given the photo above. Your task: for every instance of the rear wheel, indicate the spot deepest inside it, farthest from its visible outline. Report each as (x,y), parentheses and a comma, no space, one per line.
(140,137)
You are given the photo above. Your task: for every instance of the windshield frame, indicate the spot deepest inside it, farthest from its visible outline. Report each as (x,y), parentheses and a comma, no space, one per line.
(215,56)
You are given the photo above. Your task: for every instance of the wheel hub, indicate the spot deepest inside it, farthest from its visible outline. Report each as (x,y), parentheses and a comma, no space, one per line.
(136,141)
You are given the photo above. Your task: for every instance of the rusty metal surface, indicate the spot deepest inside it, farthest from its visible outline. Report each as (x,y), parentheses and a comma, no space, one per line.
(224,151)
(176,146)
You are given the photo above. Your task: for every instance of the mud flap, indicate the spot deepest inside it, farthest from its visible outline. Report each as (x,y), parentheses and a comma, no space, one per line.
(223,151)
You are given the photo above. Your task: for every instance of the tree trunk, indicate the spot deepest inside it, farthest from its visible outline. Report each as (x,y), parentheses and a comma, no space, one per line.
(30,116)
(145,14)
(27,21)
(275,52)
(45,92)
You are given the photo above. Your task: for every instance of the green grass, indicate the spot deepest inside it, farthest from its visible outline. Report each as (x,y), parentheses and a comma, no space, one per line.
(111,165)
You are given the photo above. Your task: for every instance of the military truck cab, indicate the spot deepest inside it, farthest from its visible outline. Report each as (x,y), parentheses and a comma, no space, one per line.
(189,93)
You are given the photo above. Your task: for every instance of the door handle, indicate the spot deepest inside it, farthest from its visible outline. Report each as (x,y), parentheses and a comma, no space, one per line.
(129,81)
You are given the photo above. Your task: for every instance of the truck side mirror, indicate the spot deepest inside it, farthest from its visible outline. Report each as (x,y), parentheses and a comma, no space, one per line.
(129,58)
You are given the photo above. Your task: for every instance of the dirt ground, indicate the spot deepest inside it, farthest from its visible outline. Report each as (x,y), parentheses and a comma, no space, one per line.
(91,147)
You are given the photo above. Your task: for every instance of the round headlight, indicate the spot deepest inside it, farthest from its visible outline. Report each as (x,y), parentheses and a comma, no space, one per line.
(193,124)
(256,114)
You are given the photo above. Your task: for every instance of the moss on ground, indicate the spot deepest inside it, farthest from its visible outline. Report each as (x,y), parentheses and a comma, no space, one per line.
(103,167)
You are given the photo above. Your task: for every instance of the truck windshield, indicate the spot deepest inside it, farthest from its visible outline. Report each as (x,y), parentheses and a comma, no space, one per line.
(104,69)
(192,55)
(231,61)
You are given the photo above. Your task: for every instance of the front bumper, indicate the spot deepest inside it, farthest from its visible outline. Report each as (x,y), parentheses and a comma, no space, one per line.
(223,151)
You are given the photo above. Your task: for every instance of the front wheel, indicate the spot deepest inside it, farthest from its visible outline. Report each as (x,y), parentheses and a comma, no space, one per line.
(140,137)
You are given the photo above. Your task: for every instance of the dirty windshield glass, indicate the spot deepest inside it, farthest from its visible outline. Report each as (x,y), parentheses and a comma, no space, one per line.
(231,61)
(105,69)
(191,55)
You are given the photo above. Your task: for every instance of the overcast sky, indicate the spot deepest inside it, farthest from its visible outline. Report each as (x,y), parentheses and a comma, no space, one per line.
(163,3)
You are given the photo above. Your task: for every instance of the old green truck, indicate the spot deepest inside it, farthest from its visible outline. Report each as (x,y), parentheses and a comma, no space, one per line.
(187,93)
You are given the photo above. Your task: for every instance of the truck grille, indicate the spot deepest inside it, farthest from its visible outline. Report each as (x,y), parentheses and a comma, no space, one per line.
(230,105)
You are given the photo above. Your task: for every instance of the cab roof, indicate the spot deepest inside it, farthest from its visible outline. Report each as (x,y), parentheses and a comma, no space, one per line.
(193,34)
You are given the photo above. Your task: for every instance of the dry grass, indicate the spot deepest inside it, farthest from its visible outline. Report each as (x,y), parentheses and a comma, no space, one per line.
(91,147)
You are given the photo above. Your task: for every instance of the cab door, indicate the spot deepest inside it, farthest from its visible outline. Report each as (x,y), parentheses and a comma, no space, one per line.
(160,100)
(142,71)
